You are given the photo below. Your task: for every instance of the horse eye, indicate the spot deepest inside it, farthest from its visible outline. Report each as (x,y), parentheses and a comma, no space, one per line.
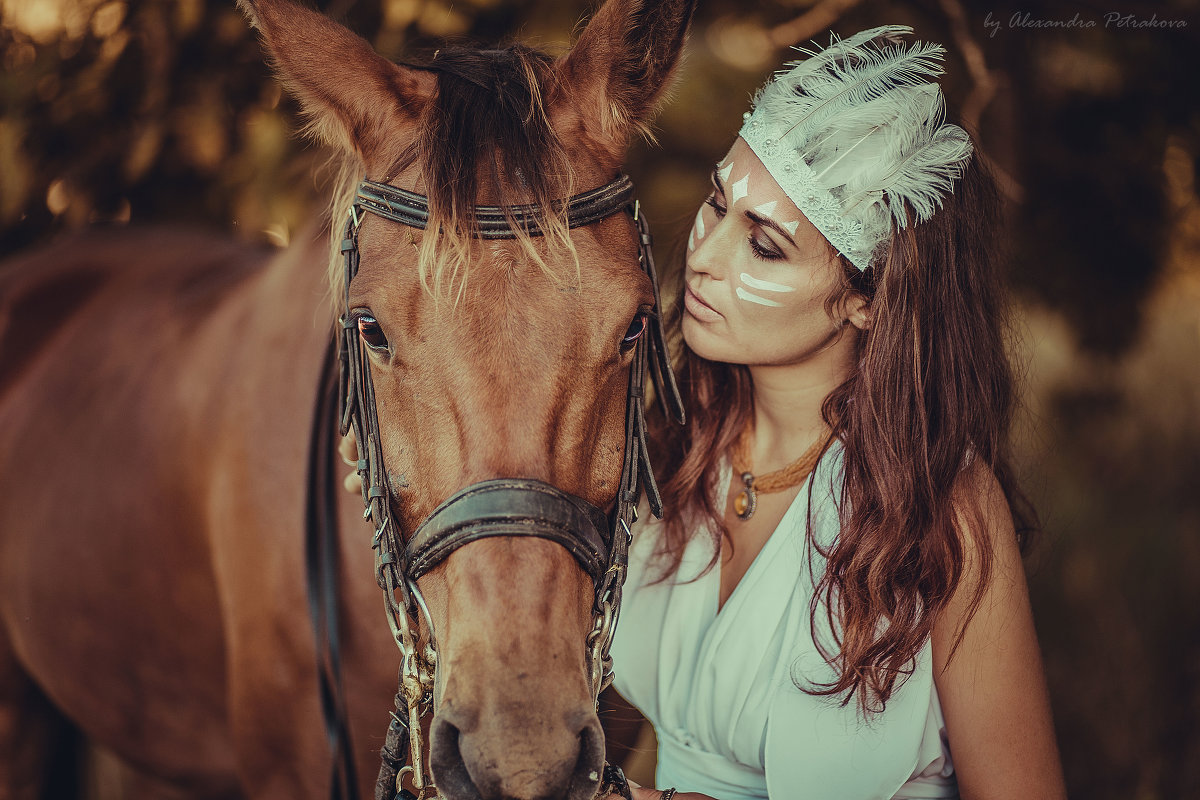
(636,329)
(372,333)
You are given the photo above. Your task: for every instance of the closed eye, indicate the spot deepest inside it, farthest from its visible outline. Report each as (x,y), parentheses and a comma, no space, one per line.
(712,203)
(764,249)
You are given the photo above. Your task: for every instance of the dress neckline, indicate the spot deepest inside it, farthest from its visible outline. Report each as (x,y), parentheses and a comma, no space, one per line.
(759,558)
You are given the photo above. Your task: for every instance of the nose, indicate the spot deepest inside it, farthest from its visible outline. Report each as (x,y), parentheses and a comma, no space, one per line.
(708,255)
(509,755)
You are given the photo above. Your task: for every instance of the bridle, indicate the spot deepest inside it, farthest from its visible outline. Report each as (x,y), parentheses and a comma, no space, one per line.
(599,541)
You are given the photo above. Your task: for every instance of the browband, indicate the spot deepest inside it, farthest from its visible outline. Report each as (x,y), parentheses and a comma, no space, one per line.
(496,222)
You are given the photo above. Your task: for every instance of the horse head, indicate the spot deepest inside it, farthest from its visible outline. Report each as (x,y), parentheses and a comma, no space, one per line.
(495,358)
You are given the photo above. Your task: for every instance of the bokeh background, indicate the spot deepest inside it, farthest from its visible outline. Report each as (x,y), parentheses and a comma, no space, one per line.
(140,112)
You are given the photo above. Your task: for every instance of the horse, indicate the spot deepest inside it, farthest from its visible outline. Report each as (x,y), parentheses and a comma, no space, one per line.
(156,399)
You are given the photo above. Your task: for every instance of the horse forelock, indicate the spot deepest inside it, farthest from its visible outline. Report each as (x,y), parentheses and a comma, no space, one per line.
(486,138)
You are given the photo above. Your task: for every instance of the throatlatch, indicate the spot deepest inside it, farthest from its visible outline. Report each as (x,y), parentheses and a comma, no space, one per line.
(501,507)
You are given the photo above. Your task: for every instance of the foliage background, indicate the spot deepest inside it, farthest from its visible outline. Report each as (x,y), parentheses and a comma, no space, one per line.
(149,111)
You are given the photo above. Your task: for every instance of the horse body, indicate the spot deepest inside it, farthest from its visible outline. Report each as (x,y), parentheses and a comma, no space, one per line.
(176,583)
(156,397)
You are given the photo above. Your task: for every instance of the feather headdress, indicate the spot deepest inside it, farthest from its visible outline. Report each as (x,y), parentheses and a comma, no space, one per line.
(856,133)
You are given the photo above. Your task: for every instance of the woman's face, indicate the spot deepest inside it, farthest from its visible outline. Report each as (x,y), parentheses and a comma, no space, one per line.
(758,273)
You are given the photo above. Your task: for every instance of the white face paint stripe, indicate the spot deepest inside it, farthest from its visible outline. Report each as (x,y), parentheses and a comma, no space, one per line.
(692,239)
(766,209)
(753,298)
(699,226)
(740,189)
(766,286)
(725,172)
(791,226)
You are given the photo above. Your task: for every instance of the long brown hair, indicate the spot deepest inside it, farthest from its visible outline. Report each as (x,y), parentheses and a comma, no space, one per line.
(932,391)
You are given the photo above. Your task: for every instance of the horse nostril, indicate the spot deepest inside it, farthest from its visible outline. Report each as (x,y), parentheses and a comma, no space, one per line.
(450,773)
(589,766)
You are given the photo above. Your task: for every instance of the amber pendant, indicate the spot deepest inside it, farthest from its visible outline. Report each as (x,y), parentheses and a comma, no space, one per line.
(747,500)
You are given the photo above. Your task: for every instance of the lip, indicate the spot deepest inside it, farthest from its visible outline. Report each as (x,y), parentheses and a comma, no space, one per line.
(699,309)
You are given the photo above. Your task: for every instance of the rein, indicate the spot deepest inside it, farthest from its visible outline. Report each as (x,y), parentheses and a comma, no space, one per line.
(500,507)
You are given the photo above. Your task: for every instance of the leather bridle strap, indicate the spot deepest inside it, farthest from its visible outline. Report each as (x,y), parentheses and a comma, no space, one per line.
(321,565)
(511,507)
(496,222)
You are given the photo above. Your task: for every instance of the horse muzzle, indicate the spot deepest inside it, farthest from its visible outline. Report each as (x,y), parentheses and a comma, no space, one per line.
(519,733)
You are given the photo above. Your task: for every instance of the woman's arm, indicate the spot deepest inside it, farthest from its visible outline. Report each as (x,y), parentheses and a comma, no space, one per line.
(993,691)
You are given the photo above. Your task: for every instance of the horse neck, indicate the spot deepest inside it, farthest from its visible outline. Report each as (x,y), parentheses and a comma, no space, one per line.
(294,290)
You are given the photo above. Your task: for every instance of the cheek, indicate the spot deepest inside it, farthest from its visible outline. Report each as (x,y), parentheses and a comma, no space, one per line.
(762,294)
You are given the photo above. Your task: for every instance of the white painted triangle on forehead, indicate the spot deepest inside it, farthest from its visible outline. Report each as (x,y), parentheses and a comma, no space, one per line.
(740,189)
(699,227)
(791,226)
(766,209)
(725,172)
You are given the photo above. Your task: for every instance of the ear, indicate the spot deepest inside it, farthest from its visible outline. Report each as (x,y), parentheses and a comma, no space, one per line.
(622,64)
(353,96)
(856,309)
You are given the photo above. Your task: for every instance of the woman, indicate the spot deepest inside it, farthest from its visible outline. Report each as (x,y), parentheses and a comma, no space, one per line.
(835,605)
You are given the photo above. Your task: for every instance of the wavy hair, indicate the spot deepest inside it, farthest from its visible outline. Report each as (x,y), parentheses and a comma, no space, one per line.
(931,391)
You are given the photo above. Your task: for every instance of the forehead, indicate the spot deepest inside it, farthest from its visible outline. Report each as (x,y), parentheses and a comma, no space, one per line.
(742,164)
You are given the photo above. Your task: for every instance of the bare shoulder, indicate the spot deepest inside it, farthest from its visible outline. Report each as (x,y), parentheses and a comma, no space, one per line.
(987,663)
(992,587)
(983,515)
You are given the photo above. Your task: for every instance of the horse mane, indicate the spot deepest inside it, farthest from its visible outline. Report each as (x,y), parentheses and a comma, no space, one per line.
(488,122)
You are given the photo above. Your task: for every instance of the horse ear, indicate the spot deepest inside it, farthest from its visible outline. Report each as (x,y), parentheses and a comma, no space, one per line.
(353,96)
(622,64)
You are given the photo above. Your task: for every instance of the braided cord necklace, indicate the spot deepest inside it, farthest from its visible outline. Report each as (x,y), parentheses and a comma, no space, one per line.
(745,504)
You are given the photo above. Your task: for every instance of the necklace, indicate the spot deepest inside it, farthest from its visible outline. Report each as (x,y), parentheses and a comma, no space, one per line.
(745,504)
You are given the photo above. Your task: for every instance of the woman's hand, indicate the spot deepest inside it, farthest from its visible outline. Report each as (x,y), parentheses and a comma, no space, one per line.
(645,793)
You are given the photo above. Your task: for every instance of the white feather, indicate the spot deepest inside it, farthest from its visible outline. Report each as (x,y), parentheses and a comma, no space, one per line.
(867,116)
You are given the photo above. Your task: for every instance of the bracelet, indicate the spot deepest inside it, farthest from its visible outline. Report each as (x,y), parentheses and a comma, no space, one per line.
(667,794)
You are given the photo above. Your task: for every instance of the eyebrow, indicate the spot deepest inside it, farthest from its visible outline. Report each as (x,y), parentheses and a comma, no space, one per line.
(716,180)
(767,222)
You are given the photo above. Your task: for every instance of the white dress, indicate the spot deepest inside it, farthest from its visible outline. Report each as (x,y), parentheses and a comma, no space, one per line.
(718,687)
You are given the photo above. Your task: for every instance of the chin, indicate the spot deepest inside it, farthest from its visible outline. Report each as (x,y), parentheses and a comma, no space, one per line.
(708,345)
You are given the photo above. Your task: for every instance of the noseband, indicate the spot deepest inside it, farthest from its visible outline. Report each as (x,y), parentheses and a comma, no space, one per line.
(599,541)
